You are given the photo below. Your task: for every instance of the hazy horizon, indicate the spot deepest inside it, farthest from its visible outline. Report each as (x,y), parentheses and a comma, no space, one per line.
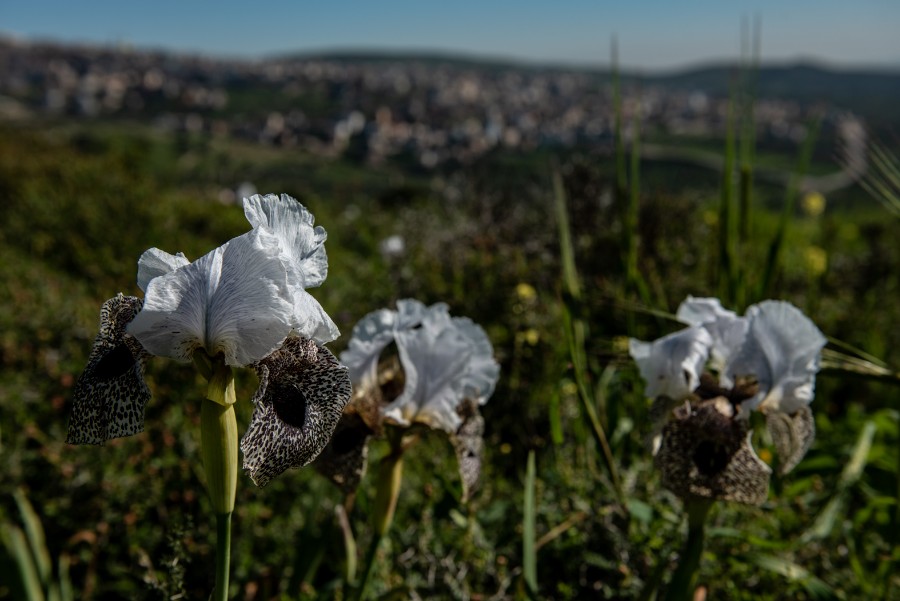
(653,36)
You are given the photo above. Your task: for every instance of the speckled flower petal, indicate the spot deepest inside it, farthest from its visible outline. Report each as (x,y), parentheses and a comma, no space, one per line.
(468,442)
(302,392)
(725,327)
(110,394)
(234,300)
(706,453)
(792,435)
(782,351)
(302,244)
(671,365)
(154,263)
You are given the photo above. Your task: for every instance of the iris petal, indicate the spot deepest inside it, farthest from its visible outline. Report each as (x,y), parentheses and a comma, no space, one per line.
(373,333)
(302,392)
(302,244)
(111,394)
(234,300)
(344,459)
(468,442)
(725,327)
(792,435)
(154,263)
(445,361)
(434,358)
(705,453)
(671,366)
(782,351)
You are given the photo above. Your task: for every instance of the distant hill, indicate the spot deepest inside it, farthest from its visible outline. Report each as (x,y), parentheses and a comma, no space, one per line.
(869,92)
(872,94)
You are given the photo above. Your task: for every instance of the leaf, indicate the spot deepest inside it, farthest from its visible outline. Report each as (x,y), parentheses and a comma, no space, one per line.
(529,554)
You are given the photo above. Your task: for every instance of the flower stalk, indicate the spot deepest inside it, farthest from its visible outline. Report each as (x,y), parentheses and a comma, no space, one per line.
(219,450)
(390,477)
(681,587)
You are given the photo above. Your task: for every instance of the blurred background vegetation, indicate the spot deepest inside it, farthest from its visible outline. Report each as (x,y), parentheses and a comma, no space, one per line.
(83,198)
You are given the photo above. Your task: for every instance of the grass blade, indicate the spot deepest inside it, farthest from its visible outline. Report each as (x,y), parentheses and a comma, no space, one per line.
(773,260)
(17,546)
(851,474)
(36,540)
(817,589)
(529,552)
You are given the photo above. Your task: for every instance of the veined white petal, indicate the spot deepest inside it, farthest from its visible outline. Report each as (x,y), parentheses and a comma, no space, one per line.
(234,300)
(369,337)
(671,365)
(155,262)
(434,360)
(310,319)
(374,332)
(445,361)
(726,328)
(782,351)
(302,244)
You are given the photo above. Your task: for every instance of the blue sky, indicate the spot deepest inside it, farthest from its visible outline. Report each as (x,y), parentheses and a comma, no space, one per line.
(652,34)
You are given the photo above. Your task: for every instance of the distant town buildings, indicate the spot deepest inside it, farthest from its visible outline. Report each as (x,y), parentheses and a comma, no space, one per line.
(427,111)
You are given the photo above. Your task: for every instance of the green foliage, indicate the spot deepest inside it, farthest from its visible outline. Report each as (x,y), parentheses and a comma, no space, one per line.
(132,519)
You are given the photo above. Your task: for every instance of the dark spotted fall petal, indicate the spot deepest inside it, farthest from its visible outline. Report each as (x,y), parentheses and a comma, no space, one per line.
(111,394)
(706,453)
(302,392)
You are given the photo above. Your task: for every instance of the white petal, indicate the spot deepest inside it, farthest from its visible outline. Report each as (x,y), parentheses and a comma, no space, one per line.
(434,358)
(370,335)
(782,351)
(310,319)
(302,244)
(374,332)
(726,328)
(671,365)
(155,262)
(445,361)
(483,370)
(411,312)
(234,300)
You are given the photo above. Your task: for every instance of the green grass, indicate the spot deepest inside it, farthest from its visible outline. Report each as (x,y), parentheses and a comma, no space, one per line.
(132,519)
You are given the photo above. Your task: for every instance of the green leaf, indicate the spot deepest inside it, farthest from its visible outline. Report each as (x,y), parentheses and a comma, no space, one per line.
(529,554)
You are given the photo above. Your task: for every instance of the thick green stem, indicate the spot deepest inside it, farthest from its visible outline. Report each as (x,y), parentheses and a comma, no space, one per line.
(219,450)
(223,556)
(681,587)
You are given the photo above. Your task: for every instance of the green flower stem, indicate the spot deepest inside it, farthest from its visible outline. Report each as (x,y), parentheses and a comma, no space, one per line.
(681,587)
(219,450)
(390,476)
(223,556)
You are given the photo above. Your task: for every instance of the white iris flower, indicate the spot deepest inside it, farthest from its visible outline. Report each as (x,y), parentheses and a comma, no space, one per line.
(245,302)
(709,377)
(445,361)
(774,343)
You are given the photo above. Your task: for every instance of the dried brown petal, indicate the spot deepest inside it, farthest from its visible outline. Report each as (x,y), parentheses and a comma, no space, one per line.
(468,442)
(792,435)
